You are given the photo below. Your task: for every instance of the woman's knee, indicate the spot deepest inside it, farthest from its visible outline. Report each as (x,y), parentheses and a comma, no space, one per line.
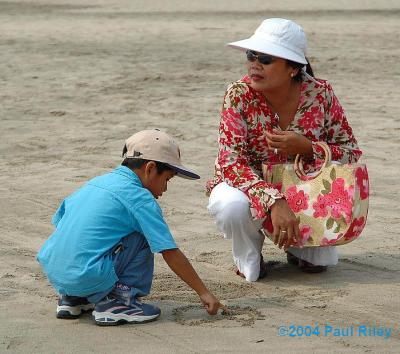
(224,197)
(234,212)
(230,208)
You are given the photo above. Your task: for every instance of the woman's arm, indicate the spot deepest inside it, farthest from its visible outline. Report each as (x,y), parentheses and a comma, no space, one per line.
(340,136)
(329,119)
(233,160)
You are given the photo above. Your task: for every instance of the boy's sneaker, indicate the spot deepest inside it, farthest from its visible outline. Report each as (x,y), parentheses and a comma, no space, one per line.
(70,307)
(112,312)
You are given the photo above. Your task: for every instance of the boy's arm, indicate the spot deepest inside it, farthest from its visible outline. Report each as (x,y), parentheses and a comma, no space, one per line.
(181,266)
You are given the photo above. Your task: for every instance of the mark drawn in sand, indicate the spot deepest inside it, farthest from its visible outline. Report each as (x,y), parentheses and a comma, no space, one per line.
(219,259)
(194,315)
(209,257)
(170,287)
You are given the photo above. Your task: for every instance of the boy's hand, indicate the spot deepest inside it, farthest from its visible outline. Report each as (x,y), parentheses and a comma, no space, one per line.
(181,266)
(211,303)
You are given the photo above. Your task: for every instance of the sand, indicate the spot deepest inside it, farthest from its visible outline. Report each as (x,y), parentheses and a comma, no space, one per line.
(78,77)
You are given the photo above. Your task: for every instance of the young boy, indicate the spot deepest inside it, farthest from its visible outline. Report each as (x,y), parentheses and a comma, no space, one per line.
(101,253)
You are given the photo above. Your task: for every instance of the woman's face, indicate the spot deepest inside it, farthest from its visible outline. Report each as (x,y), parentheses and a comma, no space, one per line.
(269,77)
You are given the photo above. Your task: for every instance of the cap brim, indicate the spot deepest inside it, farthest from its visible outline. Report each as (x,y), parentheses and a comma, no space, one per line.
(267,48)
(184,172)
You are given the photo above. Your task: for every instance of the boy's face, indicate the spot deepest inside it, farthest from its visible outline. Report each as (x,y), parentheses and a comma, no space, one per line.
(156,183)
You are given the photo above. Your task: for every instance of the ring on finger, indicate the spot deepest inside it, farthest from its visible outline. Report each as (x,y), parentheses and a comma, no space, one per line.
(276,151)
(283,231)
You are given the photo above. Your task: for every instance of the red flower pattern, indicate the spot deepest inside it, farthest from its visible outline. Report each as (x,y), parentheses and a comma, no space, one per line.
(246,116)
(355,228)
(319,206)
(338,201)
(312,119)
(305,232)
(297,200)
(362,182)
(326,242)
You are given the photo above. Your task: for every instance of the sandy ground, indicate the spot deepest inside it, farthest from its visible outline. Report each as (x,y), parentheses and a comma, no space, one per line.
(78,77)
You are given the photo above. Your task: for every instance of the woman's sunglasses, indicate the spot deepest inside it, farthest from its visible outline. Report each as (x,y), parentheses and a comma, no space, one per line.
(264,59)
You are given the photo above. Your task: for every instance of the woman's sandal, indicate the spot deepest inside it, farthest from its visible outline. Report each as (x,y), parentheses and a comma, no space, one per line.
(305,266)
(263,269)
(308,267)
(292,259)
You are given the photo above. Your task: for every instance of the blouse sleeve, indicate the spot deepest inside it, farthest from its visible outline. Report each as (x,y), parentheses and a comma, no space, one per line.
(340,136)
(233,158)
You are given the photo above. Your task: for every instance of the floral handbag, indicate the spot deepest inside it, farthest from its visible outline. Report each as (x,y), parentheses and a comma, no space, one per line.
(332,203)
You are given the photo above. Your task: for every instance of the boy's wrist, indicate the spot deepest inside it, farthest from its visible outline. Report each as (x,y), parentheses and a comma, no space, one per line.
(203,292)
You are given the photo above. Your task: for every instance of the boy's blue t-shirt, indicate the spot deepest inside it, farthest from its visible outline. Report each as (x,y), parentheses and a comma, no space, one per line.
(90,222)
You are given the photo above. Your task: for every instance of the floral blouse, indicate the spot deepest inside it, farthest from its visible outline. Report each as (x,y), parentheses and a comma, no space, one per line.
(245,118)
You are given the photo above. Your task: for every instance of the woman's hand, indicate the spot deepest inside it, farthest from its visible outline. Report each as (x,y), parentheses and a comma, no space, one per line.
(288,142)
(286,226)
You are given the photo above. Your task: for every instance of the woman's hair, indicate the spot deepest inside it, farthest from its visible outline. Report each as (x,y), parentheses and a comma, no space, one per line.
(298,76)
(138,163)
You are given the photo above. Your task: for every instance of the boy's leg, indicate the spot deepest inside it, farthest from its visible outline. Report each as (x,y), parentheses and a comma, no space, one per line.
(230,208)
(134,266)
(70,307)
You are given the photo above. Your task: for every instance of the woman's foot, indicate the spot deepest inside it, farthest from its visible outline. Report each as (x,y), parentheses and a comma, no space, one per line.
(237,272)
(263,270)
(308,267)
(305,266)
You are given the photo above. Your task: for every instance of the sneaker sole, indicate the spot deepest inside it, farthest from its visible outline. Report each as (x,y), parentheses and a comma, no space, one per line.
(112,319)
(72,312)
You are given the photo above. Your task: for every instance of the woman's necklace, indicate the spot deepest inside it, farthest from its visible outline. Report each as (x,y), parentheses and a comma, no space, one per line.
(284,117)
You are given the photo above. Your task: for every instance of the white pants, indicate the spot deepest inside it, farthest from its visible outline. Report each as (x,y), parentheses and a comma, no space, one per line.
(230,208)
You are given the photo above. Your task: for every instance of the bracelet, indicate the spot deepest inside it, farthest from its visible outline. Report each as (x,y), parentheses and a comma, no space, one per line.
(273,194)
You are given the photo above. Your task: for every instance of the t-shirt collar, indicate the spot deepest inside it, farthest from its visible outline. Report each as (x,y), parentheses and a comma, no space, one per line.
(127,172)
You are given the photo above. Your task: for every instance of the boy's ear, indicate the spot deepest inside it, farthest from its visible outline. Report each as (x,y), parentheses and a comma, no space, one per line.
(149,168)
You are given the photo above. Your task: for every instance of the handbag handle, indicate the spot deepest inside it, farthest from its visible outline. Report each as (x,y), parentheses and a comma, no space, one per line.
(298,162)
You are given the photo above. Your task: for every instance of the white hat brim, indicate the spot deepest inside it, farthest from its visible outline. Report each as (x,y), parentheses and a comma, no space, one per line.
(268,47)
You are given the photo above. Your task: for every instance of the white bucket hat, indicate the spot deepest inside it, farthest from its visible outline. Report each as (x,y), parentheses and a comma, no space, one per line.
(155,145)
(277,37)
